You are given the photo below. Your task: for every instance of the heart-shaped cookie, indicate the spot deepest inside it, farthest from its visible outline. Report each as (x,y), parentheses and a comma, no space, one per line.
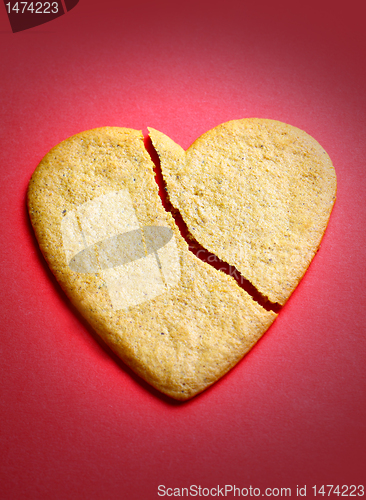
(256,193)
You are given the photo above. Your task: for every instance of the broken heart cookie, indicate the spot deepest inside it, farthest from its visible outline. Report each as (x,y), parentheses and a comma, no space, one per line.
(175,320)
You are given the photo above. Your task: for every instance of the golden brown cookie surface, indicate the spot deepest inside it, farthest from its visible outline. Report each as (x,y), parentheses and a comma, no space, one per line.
(256,193)
(118,255)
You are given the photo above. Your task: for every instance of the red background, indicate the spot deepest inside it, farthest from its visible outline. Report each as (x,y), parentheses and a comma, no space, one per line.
(75,423)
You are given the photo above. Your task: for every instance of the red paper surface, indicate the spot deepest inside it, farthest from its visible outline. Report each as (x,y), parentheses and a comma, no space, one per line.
(75,422)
